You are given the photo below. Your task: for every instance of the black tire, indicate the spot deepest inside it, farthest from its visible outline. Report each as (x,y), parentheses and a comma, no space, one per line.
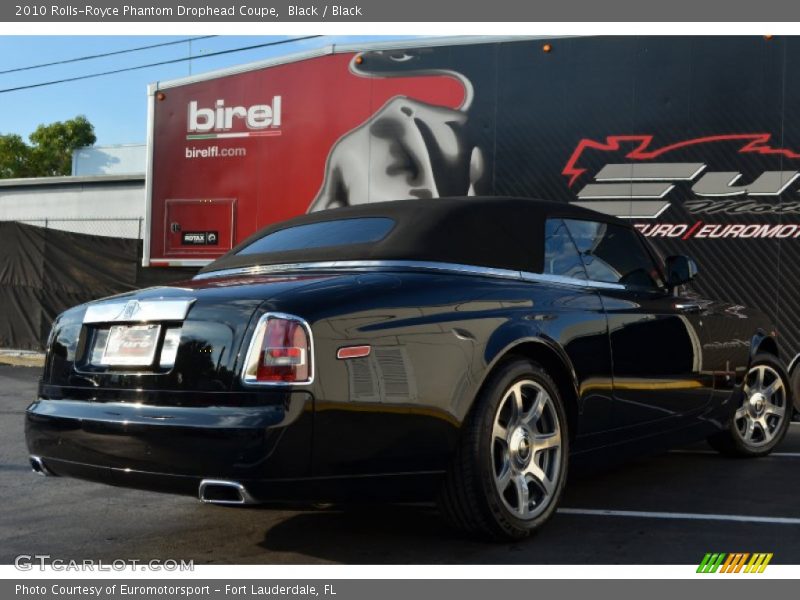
(470,499)
(734,439)
(794,377)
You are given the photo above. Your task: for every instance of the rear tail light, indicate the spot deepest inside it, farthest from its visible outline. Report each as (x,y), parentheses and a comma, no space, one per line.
(280,351)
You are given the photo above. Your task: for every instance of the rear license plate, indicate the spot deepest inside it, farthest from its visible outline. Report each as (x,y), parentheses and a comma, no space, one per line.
(131,345)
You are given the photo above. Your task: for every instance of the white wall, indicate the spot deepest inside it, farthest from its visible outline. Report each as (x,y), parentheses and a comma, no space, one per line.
(124,159)
(98,205)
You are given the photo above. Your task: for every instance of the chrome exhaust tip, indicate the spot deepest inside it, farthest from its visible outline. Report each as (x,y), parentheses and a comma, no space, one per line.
(222,491)
(38,467)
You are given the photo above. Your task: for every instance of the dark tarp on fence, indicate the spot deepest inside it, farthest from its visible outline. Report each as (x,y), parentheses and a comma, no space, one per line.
(45,271)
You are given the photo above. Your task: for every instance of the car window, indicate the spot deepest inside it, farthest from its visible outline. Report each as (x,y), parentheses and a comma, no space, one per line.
(560,254)
(342,232)
(615,254)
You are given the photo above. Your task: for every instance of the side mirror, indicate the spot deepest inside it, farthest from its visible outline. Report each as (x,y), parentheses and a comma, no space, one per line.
(680,270)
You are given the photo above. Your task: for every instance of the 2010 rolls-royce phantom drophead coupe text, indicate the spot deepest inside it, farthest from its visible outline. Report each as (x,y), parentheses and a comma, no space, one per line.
(462,349)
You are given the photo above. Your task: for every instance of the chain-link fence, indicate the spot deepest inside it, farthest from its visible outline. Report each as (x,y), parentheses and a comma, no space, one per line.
(130,228)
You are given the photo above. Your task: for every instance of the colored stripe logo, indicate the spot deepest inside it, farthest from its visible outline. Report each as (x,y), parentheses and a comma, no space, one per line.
(737,562)
(224,136)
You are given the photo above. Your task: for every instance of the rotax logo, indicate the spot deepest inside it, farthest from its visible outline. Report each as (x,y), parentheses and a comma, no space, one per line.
(737,562)
(220,121)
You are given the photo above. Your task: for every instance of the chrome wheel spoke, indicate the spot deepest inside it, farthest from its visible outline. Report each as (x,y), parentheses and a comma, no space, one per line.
(537,409)
(516,405)
(741,413)
(499,432)
(759,378)
(773,387)
(766,433)
(504,478)
(546,441)
(541,479)
(523,497)
(774,410)
(749,429)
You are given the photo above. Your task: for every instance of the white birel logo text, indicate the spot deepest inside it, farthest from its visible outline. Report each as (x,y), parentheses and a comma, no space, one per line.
(220,121)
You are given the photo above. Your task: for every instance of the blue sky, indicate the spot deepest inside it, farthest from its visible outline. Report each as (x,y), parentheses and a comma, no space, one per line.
(115,104)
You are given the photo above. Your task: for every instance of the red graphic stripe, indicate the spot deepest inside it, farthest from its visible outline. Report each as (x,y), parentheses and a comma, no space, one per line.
(689,233)
(753,142)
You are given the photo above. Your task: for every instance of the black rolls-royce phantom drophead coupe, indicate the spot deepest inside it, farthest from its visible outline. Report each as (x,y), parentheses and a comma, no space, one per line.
(463,349)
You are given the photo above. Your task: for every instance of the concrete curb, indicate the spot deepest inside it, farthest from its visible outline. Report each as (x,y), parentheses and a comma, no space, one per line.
(21,358)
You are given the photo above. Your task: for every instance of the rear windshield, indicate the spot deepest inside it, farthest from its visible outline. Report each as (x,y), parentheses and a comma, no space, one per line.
(345,232)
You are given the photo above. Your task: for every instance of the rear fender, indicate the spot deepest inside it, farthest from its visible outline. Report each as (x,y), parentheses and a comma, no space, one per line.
(514,336)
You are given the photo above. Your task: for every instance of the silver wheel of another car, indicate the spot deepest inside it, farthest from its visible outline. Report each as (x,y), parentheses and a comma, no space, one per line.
(526,449)
(761,416)
(762,412)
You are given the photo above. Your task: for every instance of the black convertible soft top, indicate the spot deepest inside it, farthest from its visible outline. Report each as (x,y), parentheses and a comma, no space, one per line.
(498,232)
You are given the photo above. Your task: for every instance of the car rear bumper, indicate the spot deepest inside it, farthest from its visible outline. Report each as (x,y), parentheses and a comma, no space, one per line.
(173,449)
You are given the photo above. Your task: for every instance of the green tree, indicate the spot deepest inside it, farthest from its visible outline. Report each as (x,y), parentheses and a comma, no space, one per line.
(14,156)
(50,151)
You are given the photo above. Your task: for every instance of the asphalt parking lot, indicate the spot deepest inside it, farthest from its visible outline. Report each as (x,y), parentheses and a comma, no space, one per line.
(665,509)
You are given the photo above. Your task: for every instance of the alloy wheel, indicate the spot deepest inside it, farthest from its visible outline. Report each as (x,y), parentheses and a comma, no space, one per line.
(526,449)
(760,417)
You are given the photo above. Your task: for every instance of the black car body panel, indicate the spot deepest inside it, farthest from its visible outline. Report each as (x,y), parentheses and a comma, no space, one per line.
(634,366)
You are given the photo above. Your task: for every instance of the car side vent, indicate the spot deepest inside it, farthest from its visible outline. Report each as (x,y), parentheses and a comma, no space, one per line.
(384,376)
(363,381)
(396,374)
